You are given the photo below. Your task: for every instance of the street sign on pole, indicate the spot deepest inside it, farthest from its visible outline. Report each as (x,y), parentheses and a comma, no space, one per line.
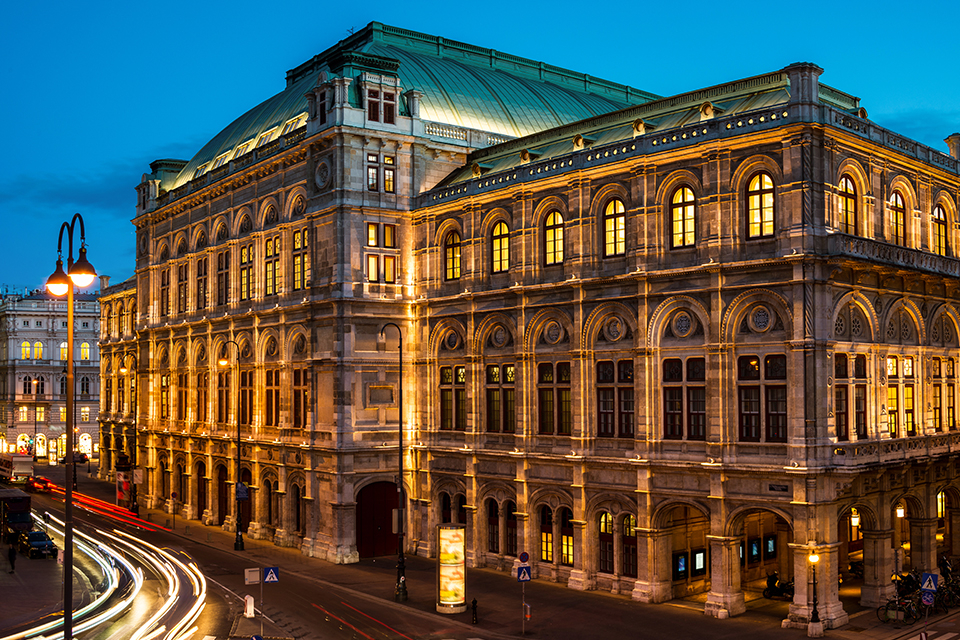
(523,573)
(928,582)
(251,576)
(524,557)
(271,574)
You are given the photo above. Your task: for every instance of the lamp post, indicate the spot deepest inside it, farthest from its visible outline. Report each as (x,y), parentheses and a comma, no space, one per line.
(400,593)
(80,274)
(134,505)
(815,627)
(34,447)
(224,361)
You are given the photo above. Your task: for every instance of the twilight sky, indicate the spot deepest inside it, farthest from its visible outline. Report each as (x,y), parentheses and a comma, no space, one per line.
(94,92)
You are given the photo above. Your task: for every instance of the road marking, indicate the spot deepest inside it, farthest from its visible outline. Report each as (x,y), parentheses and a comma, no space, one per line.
(342,621)
(375,620)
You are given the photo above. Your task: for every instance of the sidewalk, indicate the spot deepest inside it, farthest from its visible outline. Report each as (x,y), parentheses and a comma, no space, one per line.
(498,595)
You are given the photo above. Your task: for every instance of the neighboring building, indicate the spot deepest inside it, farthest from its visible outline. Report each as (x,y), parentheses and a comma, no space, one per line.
(666,345)
(33,347)
(119,364)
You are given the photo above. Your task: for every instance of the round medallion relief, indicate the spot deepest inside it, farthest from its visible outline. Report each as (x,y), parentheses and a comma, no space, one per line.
(682,324)
(553,332)
(452,341)
(499,337)
(760,319)
(322,174)
(613,329)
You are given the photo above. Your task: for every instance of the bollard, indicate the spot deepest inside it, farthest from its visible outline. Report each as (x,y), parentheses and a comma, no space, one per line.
(474,607)
(208,536)
(186,530)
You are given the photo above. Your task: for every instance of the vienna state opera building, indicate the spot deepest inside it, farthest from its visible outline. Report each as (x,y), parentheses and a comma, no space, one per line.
(665,345)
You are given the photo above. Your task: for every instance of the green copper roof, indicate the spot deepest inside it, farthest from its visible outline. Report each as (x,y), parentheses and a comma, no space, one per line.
(462,85)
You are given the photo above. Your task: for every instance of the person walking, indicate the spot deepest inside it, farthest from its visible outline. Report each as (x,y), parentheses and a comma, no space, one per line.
(12,557)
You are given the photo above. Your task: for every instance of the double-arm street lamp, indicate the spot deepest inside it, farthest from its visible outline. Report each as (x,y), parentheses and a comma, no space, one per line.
(134,505)
(79,274)
(223,362)
(400,593)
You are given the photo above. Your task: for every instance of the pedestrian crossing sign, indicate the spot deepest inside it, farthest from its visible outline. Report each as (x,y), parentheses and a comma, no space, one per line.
(271,574)
(928,582)
(523,573)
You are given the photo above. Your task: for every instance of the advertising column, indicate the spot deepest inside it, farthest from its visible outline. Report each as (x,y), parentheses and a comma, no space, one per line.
(451,569)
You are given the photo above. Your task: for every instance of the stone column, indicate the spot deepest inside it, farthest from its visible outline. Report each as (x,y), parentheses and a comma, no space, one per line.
(953,531)
(581,577)
(475,552)
(877,568)
(829,607)
(725,598)
(523,541)
(923,544)
(617,554)
(654,575)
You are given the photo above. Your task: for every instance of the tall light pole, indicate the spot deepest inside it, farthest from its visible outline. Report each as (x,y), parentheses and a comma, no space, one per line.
(134,506)
(34,447)
(400,593)
(224,361)
(80,274)
(815,628)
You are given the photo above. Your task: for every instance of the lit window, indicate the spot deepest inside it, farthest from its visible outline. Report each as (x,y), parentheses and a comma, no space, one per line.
(614,229)
(85,351)
(451,250)
(566,537)
(682,207)
(760,206)
(848,206)
(266,137)
(242,149)
(271,266)
(25,351)
(200,170)
(293,124)
(373,172)
(553,238)
(373,267)
(390,269)
(23,414)
(389,175)
(501,247)
(63,414)
(85,414)
(373,234)
(300,259)
(763,400)
(38,351)
(898,214)
(220,159)
(246,272)
(546,534)
(939,231)
(390,236)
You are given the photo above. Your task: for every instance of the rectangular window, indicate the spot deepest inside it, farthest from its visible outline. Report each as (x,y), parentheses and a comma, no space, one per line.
(546,546)
(373,105)
(389,175)
(201,293)
(300,397)
(322,107)
(937,408)
(373,267)
(893,410)
(673,413)
(182,288)
(566,548)
(696,413)
(246,272)
(373,172)
(494,409)
(203,384)
(182,389)
(776,413)
(860,411)
(63,414)
(390,269)
(165,293)
(453,398)
(390,236)
(840,409)
(223,277)
(271,266)
(271,416)
(165,396)
(373,235)
(909,425)
(950,417)
(85,414)
(446,409)
(223,397)
(245,413)
(300,262)
(750,414)
(389,107)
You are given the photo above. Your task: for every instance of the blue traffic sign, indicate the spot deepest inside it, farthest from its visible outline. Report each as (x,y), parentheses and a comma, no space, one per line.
(524,556)
(523,574)
(928,582)
(926,597)
(271,574)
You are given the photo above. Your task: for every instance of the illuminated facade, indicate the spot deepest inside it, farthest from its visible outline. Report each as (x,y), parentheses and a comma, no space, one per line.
(666,346)
(33,347)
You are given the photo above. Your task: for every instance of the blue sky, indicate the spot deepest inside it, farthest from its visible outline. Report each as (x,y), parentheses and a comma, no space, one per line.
(94,92)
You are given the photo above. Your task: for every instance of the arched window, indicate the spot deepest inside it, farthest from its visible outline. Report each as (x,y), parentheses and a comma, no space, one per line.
(85,351)
(682,207)
(629,539)
(63,350)
(27,386)
(606,544)
(546,534)
(939,231)
(511,535)
(553,239)
(566,537)
(445,507)
(24,350)
(501,247)
(760,206)
(493,526)
(451,251)
(614,229)
(38,351)
(848,206)
(85,385)
(897,215)
(39,389)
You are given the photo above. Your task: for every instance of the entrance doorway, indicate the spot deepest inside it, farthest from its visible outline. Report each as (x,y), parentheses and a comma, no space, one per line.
(223,500)
(375,505)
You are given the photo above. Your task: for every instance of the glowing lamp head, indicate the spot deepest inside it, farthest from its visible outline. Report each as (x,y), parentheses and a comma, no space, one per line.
(58,283)
(814,558)
(223,362)
(123,370)
(82,272)
(901,511)
(854,518)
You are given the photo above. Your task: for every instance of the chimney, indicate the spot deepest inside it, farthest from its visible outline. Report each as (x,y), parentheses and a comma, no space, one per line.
(953,142)
(104,282)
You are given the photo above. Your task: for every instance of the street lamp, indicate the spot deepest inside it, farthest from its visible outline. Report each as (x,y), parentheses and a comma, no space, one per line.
(815,628)
(34,383)
(134,506)
(224,361)
(400,593)
(79,274)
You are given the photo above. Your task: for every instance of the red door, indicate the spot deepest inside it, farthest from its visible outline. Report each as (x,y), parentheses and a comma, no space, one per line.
(375,506)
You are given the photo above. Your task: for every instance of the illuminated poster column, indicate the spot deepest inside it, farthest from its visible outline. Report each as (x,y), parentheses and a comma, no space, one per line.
(451,568)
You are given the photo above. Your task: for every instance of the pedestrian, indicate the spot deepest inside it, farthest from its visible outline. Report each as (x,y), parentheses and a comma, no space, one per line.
(12,557)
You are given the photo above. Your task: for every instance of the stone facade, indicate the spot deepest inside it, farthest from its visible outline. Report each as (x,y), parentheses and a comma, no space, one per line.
(666,350)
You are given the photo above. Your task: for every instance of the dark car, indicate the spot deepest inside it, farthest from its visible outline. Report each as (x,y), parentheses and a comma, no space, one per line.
(78,458)
(36,544)
(39,484)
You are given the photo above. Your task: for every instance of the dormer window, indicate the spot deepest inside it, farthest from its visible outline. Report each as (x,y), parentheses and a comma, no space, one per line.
(242,149)
(293,124)
(221,159)
(373,105)
(389,107)
(200,171)
(266,137)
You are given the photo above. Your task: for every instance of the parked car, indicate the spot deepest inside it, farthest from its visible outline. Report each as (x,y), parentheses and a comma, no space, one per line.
(36,544)
(78,457)
(40,484)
